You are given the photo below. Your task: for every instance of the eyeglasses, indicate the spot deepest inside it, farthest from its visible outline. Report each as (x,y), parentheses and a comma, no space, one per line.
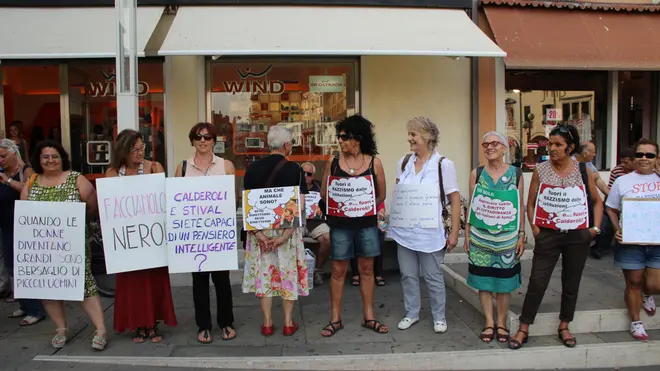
(307,173)
(493,144)
(648,155)
(50,157)
(205,137)
(139,149)
(345,137)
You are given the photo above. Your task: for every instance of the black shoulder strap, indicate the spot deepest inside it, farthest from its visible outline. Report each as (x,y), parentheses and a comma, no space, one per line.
(519,175)
(274,173)
(585,179)
(442,184)
(334,165)
(480,170)
(406,158)
(184,165)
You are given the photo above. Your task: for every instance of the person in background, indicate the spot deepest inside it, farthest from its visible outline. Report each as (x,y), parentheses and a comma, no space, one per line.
(203,162)
(143,297)
(15,133)
(495,255)
(36,136)
(421,251)
(627,165)
(275,259)
(572,245)
(317,229)
(358,236)
(586,154)
(640,263)
(54,181)
(378,260)
(13,179)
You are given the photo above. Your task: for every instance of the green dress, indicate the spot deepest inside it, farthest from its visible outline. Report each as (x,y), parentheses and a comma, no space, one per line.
(493,263)
(67,192)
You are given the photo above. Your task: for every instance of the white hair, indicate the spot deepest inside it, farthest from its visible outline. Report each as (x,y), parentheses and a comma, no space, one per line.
(501,138)
(310,164)
(10,146)
(278,136)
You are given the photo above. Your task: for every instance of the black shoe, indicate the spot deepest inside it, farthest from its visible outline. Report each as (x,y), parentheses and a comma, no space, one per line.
(596,253)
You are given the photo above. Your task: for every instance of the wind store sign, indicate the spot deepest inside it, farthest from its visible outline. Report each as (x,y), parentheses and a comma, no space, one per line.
(108,87)
(248,83)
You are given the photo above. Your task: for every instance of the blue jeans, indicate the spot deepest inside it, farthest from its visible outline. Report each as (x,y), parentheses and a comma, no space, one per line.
(348,243)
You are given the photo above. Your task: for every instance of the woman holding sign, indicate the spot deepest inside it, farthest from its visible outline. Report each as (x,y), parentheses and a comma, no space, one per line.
(640,262)
(495,234)
(565,211)
(54,181)
(141,297)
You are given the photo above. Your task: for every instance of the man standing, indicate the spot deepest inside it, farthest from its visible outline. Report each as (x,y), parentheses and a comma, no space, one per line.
(586,154)
(315,228)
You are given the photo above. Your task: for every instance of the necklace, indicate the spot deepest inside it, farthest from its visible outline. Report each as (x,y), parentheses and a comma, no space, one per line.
(352,170)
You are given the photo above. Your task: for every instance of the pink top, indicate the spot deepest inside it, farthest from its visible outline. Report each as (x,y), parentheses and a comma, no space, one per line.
(217,167)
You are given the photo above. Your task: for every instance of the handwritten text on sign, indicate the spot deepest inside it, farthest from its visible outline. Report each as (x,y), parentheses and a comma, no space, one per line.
(49,250)
(561,208)
(201,224)
(312,208)
(494,210)
(132,212)
(351,197)
(415,206)
(640,220)
(271,208)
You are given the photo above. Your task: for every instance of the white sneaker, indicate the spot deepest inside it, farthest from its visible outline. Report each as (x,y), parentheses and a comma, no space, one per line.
(406,322)
(649,304)
(638,332)
(439,326)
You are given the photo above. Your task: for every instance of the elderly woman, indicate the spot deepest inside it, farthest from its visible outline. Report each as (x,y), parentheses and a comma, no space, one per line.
(54,181)
(12,181)
(275,259)
(425,248)
(354,236)
(554,238)
(203,162)
(495,251)
(141,297)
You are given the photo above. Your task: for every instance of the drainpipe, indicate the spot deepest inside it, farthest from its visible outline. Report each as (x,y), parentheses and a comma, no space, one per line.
(474,80)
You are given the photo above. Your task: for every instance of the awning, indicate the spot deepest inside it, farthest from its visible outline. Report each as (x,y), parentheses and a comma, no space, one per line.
(299,30)
(576,39)
(51,33)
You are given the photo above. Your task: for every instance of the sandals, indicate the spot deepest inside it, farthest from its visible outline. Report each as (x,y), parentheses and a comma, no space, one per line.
(99,341)
(375,326)
(380,281)
(487,337)
(332,328)
(227,334)
(515,344)
(503,338)
(18,313)
(290,330)
(155,335)
(59,339)
(355,281)
(140,335)
(569,342)
(206,336)
(267,330)
(30,320)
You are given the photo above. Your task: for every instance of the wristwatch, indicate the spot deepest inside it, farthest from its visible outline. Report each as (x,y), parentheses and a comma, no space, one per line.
(598,231)
(9,181)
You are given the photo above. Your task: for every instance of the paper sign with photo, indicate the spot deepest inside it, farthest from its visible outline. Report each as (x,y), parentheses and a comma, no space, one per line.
(351,197)
(272,208)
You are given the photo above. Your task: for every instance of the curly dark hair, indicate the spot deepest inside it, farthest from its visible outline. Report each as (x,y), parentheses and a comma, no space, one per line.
(570,135)
(361,130)
(36,155)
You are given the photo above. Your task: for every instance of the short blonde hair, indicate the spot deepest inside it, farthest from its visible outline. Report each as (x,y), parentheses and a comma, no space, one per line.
(427,128)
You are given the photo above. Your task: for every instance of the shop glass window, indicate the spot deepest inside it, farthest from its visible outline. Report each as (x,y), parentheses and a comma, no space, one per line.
(32,96)
(93,112)
(247,98)
(539,101)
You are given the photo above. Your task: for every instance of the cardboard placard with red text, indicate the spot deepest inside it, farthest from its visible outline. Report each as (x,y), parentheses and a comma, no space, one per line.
(351,197)
(561,208)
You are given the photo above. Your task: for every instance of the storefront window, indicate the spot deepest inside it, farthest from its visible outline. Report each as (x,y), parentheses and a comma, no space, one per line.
(247,98)
(32,97)
(93,112)
(539,101)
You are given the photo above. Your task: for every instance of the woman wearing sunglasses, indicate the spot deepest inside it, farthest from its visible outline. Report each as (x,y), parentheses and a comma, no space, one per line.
(565,184)
(203,162)
(640,264)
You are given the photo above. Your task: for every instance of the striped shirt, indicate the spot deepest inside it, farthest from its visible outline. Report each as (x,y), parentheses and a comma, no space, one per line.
(615,173)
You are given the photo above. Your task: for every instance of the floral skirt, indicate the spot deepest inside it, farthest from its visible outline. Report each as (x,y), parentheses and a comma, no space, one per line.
(282,272)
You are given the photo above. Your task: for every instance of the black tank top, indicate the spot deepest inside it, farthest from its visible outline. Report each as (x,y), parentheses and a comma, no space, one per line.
(352,223)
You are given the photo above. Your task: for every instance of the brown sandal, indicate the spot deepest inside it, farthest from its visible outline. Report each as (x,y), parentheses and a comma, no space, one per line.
(569,342)
(487,338)
(515,344)
(503,338)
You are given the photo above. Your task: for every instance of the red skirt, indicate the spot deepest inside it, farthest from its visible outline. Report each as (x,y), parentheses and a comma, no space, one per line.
(143,298)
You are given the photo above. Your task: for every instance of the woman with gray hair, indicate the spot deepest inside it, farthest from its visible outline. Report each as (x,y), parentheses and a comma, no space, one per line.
(13,178)
(494,249)
(426,247)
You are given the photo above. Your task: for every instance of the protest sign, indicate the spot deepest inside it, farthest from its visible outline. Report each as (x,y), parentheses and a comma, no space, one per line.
(312,208)
(49,250)
(561,208)
(351,197)
(201,224)
(271,208)
(495,210)
(415,206)
(132,212)
(640,218)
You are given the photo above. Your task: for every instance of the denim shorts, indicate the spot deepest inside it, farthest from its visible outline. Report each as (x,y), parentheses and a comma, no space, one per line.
(350,243)
(636,257)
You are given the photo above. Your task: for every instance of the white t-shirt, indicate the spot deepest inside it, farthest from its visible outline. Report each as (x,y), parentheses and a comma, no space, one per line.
(424,239)
(633,185)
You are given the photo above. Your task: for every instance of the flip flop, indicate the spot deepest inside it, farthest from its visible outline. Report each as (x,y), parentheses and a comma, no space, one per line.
(208,339)
(226,334)
(355,281)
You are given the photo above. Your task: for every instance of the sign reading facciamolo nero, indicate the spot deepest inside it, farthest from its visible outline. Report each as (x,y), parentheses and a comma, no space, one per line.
(495,210)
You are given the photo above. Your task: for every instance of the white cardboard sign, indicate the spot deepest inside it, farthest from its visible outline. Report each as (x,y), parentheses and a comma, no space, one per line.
(415,206)
(640,218)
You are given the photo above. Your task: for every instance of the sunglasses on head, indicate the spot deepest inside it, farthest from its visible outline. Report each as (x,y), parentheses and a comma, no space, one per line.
(307,173)
(345,136)
(205,137)
(566,130)
(648,155)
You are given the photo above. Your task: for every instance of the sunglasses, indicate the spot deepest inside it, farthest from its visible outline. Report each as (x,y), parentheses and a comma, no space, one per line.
(205,137)
(566,130)
(648,155)
(307,173)
(345,137)
(493,144)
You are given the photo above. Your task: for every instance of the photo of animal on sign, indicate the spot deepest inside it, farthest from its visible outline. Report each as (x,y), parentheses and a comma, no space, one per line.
(351,197)
(561,208)
(272,208)
(132,212)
